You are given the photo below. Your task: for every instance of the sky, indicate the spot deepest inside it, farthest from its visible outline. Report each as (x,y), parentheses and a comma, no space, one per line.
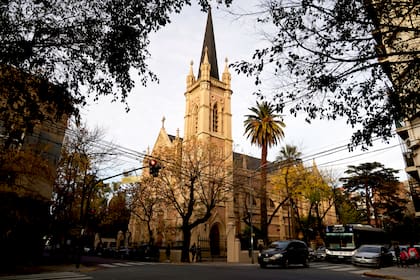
(172,49)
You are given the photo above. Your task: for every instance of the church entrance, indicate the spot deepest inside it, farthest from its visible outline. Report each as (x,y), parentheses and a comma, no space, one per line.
(215,240)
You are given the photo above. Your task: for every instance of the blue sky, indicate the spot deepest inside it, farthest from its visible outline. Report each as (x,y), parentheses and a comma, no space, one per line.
(172,49)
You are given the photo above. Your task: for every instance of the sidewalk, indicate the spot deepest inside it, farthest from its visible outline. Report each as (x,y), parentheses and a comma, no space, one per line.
(395,272)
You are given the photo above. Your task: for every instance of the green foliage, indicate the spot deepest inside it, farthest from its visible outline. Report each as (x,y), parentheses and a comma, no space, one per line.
(264,126)
(336,59)
(377,188)
(346,208)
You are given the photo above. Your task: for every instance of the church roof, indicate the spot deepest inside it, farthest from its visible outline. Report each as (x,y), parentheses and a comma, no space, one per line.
(211,48)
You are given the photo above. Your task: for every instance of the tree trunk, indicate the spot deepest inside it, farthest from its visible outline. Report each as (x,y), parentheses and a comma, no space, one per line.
(185,254)
(263,194)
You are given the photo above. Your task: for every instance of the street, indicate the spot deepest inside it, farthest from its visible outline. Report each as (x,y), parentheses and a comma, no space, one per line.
(203,271)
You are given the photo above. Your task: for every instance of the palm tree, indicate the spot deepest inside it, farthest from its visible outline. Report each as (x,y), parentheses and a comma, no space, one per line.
(289,156)
(265,129)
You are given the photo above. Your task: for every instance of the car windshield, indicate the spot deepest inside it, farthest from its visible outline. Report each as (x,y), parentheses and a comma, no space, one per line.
(278,245)
(369,249)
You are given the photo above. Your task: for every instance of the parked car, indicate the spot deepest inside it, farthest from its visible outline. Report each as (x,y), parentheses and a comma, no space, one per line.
(372,255)
(320,254)
(311,254)
(146,252)
(284,252)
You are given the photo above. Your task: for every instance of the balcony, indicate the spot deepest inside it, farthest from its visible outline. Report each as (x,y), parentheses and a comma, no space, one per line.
(402,130)
(408,158)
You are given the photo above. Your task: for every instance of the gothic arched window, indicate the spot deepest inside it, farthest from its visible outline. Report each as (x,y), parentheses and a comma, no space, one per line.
(215,118)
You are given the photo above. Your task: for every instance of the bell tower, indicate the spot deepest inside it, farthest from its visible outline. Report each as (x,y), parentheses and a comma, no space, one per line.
(208,118)
(208,99)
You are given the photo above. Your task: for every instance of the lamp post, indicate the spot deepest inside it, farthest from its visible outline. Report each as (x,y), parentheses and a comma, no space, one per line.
(250,221)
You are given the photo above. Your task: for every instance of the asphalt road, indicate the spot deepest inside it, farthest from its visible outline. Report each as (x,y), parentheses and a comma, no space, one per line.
(151,271)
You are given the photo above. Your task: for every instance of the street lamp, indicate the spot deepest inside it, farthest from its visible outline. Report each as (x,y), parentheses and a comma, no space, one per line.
(250,220)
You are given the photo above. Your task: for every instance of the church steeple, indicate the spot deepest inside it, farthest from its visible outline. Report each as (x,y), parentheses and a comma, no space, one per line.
(209,46)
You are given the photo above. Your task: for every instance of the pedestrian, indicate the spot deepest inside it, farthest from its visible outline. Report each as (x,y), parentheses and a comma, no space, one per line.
(168,252)
(193,251)
(413,255)
(198,253)
(404,257)
(397,253)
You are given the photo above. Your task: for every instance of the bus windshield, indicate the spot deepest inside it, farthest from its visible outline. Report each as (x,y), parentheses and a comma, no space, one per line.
(340,240)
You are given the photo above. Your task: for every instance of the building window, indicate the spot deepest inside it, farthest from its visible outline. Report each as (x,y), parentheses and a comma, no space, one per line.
(215,118)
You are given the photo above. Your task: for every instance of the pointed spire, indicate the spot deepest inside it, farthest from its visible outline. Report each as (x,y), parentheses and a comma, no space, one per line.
(190,76)
(163,122)
(209,43)
(315,169)
(226,74)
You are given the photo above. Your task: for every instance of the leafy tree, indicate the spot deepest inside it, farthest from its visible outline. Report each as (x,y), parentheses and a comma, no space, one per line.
(346,209)
(298,185)
(264,128)
(336,58)
(193,183)
(84,48)
(377,188)
(117,214)
(79,197)
(145,203)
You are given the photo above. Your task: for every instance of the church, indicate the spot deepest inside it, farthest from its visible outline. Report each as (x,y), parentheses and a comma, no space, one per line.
(208,118)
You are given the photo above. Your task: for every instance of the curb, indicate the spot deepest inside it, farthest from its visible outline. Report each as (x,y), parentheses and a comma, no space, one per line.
(373,274)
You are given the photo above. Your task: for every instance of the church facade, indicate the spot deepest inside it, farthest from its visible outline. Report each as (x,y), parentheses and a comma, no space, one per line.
(208,118)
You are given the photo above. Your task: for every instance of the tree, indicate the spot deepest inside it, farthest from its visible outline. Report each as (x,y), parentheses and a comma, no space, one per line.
(84,48)
(264,128)
(346,209)
(79,197)
(305,190)
(146,201)
(377,188)
(194,183)
(336,58)
(117,215)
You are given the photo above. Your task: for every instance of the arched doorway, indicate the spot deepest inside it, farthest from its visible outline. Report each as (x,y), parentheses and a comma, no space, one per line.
(215,240)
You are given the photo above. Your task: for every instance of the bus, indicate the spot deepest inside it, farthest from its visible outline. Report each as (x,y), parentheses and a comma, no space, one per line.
(341,241)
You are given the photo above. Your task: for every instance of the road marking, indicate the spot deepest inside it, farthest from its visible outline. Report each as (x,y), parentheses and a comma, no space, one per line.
(106,265)
(343,269)
(136,263)
(121,264)
(49,276)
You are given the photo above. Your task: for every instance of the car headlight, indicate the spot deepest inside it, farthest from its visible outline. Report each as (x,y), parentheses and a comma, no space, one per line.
(327,251)
(277,256)
(353,252)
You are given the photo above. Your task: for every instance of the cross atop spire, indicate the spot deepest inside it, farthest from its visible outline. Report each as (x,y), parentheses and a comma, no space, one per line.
(210,45)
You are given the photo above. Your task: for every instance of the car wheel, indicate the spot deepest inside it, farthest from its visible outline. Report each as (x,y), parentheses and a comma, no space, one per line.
(306,262)
(263,265)
(286,263)
(379,264)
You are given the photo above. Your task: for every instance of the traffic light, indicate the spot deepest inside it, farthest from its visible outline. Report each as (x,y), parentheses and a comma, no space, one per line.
(154,167)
